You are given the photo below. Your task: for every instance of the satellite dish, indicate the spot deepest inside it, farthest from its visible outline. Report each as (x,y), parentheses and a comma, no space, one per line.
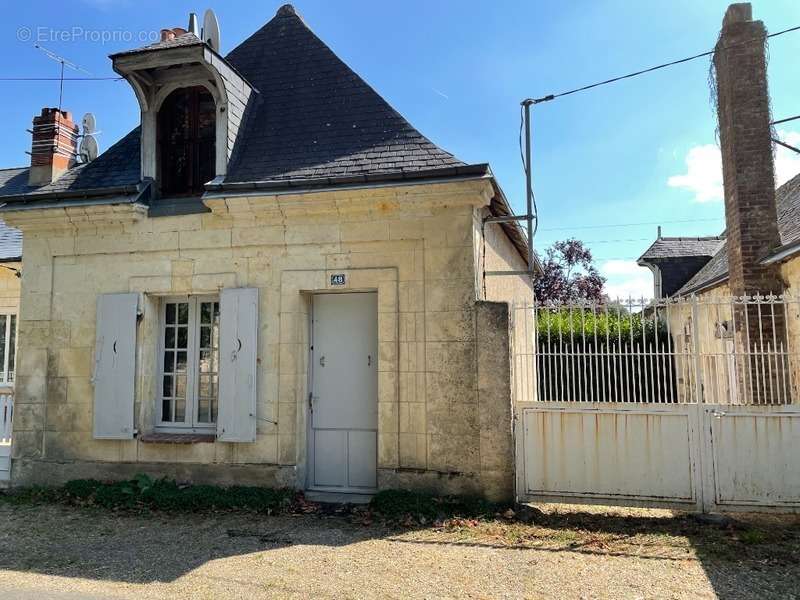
(89,124)
(88,148)
(210,30)
(194,27)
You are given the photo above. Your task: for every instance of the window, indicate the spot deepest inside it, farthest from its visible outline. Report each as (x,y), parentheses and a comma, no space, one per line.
(8,344)
(186,135)
(189,359)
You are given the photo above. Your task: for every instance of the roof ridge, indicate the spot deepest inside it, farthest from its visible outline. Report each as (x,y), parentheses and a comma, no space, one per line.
(692,238)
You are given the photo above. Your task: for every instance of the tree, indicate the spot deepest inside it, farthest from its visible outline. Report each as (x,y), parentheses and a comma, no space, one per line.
(569,274)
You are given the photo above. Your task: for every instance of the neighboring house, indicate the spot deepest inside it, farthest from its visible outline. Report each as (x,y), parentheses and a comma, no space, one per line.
(683,266)
(10,271)
(675,260)
(183,305)
(10,265)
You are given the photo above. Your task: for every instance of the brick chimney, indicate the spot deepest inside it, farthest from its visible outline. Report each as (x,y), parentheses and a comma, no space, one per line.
(54,146)
(747,164)
(751,218)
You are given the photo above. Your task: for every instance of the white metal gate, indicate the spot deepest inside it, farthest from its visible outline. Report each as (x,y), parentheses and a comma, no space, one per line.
(684,403)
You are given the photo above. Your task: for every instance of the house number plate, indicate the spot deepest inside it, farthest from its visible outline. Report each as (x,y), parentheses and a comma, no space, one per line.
(337,279)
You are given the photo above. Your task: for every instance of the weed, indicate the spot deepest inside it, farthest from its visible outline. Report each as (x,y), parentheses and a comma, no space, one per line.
(424,507)
(752,536)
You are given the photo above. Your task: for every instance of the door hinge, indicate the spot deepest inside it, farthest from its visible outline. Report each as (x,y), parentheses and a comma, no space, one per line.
(310,402)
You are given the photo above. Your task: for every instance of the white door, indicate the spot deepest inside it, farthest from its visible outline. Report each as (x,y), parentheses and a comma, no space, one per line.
(344,393)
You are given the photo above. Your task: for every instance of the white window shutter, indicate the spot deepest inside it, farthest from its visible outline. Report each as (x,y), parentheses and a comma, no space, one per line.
(115,366)
(238,347)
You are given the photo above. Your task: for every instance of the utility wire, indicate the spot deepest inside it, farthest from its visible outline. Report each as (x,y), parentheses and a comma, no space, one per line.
(630,224)
(778,122)
(60,78)
(672,63)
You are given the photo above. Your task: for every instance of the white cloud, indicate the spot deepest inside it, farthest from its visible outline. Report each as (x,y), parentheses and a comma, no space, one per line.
(787,162)
(625,279)
(703,175)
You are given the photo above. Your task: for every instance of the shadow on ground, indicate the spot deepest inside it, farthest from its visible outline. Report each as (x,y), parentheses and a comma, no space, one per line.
(751,556)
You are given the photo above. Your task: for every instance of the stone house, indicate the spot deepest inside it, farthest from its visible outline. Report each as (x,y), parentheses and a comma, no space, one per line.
(274,279)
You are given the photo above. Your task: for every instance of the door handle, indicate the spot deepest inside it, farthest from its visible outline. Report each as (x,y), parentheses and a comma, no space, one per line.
(369,360)
(321,361)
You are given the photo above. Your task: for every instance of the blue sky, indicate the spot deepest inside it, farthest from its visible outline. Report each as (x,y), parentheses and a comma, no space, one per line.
(458,70)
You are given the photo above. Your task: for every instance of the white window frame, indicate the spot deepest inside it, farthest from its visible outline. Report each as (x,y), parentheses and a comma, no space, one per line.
(6,341)
(191,425)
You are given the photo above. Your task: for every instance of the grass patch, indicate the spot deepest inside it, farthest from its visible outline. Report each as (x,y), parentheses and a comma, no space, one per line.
(142,492)
(402,504)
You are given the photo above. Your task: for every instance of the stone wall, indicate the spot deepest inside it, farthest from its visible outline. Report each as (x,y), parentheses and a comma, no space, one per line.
(442,420)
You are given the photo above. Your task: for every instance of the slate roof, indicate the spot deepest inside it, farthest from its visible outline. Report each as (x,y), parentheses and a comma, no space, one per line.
(181,41)
(312,118)
(117,167)
(787,198)
(681,247)
(315,117)
(10,243)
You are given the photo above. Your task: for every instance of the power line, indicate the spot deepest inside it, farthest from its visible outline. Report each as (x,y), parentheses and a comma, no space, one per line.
(60,79)
(672,63)
(778,122)
(629,224)
(617,241)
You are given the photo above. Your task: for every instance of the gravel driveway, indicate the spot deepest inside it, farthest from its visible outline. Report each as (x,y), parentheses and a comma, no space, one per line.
(61,552)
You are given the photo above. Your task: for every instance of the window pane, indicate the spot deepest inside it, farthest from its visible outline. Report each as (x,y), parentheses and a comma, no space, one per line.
(166,389)
(204,410)
(180,387)
(180,366)
(205,361)
(169,337)
(205,312)
(183,313)
(180,410)
(166,410)
(205,337)
(169,362)
(170,317)
(183,337)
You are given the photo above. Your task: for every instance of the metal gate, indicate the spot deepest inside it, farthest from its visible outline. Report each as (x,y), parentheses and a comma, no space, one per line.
(682,403)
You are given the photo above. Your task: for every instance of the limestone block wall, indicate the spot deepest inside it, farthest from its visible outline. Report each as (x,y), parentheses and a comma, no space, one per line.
(413,245)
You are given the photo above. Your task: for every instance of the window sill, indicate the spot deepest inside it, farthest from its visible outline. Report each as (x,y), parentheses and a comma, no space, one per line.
(177,438)
(174,206)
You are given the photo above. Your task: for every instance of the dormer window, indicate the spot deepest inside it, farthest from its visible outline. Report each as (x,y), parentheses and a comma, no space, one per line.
(186,142)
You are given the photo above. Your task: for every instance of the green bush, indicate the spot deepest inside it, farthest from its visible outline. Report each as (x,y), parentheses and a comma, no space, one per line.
(161,494)
(566,325)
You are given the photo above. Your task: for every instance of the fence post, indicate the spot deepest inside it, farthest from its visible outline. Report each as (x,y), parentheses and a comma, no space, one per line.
(701,438)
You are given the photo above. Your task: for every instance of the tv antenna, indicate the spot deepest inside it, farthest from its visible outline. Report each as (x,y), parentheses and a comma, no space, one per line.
(64,63)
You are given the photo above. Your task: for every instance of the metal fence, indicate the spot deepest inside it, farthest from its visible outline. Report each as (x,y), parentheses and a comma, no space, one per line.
(715,349)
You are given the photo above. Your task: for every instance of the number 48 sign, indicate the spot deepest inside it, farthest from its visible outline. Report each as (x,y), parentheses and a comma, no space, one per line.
(337,279)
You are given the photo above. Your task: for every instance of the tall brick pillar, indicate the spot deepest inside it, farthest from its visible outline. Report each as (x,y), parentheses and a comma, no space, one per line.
(750,211)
